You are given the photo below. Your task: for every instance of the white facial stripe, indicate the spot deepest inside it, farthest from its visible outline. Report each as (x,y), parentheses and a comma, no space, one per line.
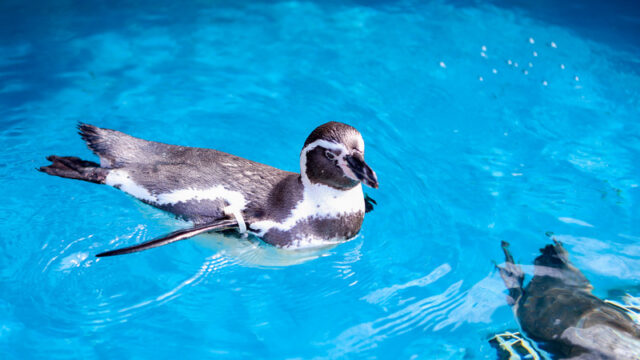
(346,169)
(320,142)
(325,144)
(331,146)
(121,179)
(361,144)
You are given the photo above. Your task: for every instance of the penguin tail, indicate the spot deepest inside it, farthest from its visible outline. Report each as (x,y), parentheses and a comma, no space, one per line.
(72,167)
(115,149)
(100,141)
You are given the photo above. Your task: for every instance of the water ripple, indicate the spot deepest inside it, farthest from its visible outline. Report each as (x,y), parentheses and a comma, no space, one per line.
(470,149)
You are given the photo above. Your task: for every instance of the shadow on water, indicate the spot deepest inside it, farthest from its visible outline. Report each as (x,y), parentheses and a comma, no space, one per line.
(252,251)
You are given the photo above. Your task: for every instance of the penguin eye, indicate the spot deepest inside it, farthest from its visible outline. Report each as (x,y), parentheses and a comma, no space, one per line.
(331,156)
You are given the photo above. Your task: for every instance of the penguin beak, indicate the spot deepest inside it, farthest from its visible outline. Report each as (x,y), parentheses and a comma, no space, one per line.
(361,170)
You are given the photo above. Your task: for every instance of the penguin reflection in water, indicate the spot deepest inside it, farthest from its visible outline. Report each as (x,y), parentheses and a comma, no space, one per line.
(557,310)
(219,192)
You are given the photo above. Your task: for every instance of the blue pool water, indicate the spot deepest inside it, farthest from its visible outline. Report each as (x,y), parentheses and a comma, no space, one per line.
(469,148)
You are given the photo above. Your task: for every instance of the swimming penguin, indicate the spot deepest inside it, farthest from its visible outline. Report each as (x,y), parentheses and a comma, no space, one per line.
(220,192)
(558,310)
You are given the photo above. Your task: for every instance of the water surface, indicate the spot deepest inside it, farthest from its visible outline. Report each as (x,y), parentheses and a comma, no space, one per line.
(484,122)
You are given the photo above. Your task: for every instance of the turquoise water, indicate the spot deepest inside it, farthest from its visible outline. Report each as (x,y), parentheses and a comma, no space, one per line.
(469,148)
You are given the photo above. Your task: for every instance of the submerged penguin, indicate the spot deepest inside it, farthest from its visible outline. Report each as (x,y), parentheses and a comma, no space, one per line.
(220,192)
(557,310)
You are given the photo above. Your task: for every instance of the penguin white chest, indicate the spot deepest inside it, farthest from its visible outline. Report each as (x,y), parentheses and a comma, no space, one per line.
(324,216)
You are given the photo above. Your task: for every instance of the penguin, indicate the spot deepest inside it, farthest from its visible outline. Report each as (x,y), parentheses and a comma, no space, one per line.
(219,192)
(558,310)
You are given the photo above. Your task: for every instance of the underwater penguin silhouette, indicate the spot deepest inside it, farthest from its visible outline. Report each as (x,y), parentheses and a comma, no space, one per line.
(557,310)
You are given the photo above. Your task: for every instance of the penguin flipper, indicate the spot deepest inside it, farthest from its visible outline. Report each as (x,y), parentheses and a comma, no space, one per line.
(512,275)
(220,225)
(369,203)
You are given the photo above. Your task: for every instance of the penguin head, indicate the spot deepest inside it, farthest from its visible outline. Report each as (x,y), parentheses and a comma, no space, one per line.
(333,155)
